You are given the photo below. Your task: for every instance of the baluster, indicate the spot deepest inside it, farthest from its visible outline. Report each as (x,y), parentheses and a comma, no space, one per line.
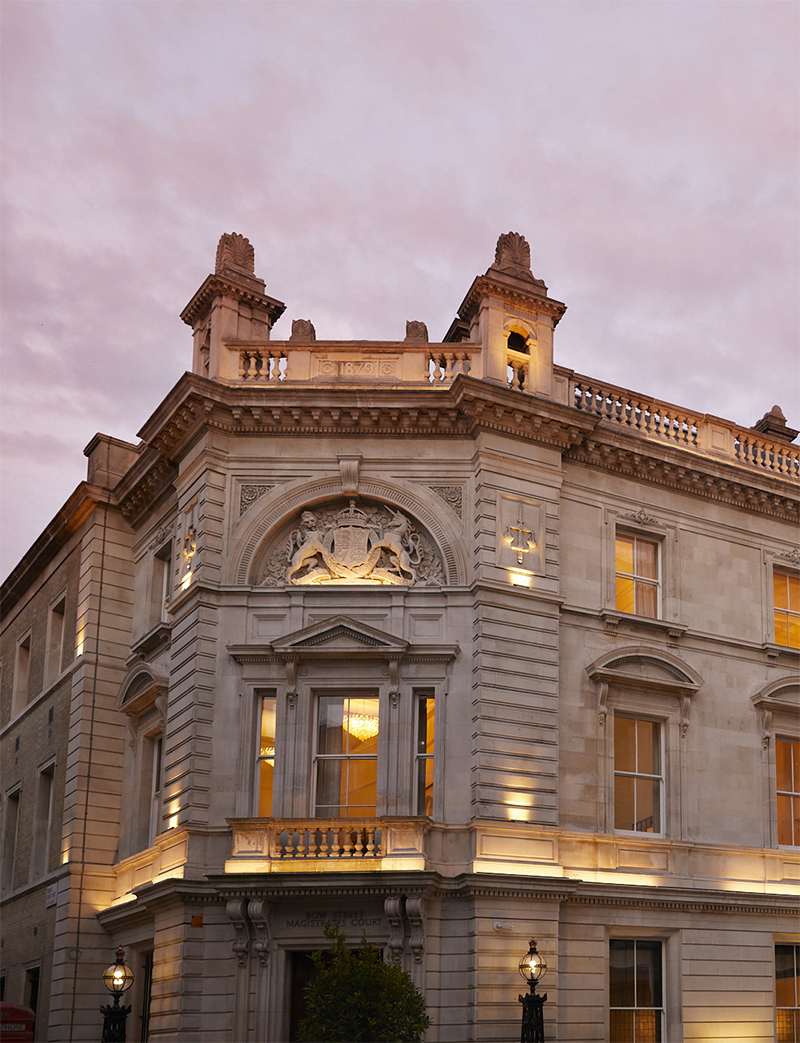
(515,382)
(466,364)
(242,364)
(336,847)
(300,846)
(370,835)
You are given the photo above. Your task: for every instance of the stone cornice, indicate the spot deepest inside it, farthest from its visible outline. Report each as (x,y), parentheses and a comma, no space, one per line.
(520,293)
(63,526)
(696,474)
(242,288)
(459,409)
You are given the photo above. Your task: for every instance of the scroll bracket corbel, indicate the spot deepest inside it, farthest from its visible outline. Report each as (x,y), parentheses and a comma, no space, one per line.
(394,681)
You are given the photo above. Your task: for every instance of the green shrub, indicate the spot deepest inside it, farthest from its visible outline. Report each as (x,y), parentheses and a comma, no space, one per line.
(357,998)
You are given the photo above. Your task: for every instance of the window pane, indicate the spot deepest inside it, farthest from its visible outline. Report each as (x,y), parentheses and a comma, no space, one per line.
(361,797)
(783,764)
(621,1026)
(648,974)
(793,584)
(624,744)
(331,788)
(781,628)
(646,600)
(785,834)
(331,736)
(793,635)
(624,601)
(785,976)
(625,554)
(784,1021)
(647,801)
(623,802)
(646,559)
(647,747)
(621,981)
(361,724)
(425,721)
(648,1026)
(780,589)
(265,781)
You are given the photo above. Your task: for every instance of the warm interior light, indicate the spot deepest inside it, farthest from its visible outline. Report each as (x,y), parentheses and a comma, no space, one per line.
(268,751)
(187,579)
(362,725)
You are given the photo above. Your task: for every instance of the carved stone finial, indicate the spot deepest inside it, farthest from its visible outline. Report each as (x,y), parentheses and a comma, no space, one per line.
(234,251)
(417,331)
(773,425)
(303,330)
(513,256)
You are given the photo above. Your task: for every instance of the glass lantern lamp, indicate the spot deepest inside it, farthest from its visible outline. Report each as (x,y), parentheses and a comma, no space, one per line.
(532,967)
(117,979)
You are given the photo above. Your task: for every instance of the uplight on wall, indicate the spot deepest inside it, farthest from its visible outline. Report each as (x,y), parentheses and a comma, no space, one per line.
(520,579)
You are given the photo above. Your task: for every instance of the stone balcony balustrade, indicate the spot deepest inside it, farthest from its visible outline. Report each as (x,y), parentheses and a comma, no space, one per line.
(292,845)
(675,425)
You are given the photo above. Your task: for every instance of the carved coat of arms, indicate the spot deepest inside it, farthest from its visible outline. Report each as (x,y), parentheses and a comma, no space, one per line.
(353,549)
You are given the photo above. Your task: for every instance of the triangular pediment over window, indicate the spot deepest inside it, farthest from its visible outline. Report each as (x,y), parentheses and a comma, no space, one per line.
(340,637)
(340,633)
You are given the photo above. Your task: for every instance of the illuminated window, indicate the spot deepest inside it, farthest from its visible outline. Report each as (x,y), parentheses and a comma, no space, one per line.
(638,776)
(266,755)
(346,756)
(55,642)
(636,1006)
(787,993)
(425,724)
(787,770)
(637,578)
(786,594)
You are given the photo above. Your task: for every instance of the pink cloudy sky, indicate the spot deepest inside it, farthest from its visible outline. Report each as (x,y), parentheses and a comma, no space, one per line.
(372,153)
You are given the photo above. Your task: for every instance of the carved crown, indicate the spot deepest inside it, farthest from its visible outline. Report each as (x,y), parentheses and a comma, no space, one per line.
(234,251)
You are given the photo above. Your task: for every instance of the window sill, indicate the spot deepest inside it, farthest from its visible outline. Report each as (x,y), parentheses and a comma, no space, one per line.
(612,619)
(773,652)
(153,641)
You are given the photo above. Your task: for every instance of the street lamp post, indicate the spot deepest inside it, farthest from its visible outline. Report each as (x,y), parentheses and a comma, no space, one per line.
(532,967)
(117,979)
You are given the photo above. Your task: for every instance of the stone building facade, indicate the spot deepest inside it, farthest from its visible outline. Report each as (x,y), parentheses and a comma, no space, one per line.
(442,642)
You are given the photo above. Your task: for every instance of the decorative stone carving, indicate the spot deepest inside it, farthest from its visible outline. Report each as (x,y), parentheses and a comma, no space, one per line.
(415,910)
(792,556)
(641,517)
(417,331)
(517,537)
(453,496)
(374,545)
(249,494)
(513,256)
(237,911)
(162,535)
(773,425)
(349,466)
(234,251)
(303,330)
(393,907)
(259,913)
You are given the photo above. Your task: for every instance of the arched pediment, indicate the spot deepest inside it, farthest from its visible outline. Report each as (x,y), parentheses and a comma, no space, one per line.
(645,668)
(400,538)
(140,688)
(778,701)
